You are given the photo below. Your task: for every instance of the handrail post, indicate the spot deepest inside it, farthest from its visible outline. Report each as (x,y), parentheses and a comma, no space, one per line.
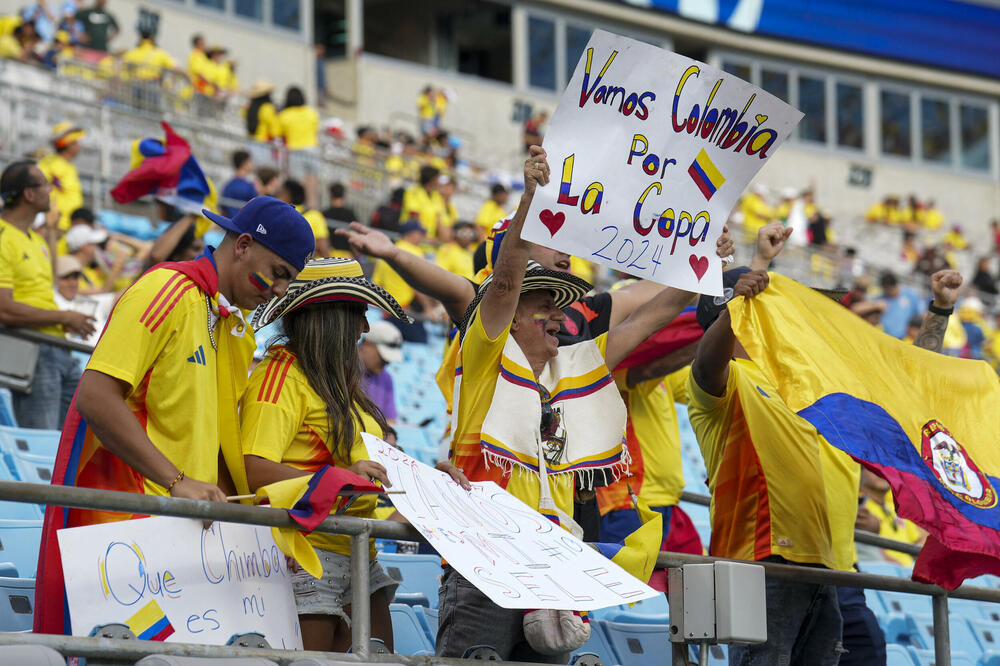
(942,632)
(360,597)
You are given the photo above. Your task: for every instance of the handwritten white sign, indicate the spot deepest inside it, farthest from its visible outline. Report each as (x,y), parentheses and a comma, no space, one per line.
(513,554)
(171,579)
(649,153)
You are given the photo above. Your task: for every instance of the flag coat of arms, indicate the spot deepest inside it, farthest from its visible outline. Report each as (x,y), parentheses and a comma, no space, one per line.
(928,423)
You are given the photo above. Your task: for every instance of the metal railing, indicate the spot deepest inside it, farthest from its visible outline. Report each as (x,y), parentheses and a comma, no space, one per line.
(360,530)
(33,335)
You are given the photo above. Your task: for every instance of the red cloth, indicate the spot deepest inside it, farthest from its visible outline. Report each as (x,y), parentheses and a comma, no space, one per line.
(681,332)
(155,171)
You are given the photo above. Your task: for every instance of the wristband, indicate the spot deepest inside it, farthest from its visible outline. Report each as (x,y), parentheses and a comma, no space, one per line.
(942,312)
(180,476)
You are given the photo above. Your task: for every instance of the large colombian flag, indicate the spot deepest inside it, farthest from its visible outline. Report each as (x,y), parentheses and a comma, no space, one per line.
(928,423)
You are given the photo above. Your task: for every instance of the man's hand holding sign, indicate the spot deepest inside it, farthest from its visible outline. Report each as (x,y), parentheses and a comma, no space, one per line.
(650,151)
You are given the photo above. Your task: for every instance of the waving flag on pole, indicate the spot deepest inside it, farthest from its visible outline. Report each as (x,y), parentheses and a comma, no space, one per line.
(928,423)
(309,501)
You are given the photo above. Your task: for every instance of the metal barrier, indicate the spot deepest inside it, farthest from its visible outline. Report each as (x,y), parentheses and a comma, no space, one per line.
(360,529)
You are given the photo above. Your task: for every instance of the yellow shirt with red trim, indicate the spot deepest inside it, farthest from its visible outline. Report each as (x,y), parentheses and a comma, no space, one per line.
(654,444)
(455,259)
(489,214)
(157,342)
(299,125)
(26,269)
(66,188)
(479,367)
(285,421)
(770,491)
(428,207)
(387,278)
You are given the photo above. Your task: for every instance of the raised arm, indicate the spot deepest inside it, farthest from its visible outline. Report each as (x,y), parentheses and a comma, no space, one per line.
(770,242)
(500,302)
(647,319)
(945,286)
(711,362)
(453,291)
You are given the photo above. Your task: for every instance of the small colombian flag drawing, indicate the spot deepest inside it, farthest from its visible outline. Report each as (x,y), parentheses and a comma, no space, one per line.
(150,623)
(705,175)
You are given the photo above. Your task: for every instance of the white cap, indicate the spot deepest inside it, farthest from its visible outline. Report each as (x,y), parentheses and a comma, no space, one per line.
(84,234)
(387,340)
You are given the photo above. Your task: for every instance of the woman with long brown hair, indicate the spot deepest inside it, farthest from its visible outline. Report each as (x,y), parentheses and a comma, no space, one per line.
(305,408)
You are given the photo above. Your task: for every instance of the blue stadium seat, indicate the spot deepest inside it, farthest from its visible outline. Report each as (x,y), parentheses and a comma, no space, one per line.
(926,658)
(901,629)
(959,629)
(27,440)
(988,634)
(17,603)
(429,620)
(873,599)
(7,417)
(408,632)
(897,655)
(412,599)
(718,655)
(648,611)
(638,644)
(416,574)
(19,542)
(900,602)
(598,644)
(884,569)
(990,659)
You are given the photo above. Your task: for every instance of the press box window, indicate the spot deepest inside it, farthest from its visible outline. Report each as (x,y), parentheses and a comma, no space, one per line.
(541,53)
(812,102)
(894,110)
(974,130)
(935,131)
(775,83)
(286,13)
(737,69)
(850,116)
(576,42)
(249,9)
(213,4)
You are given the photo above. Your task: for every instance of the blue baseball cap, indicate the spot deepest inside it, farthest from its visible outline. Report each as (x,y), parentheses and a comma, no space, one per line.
(274,224)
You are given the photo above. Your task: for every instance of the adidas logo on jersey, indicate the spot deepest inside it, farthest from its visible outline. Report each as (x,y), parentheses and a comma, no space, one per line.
(198,357)
(261,230)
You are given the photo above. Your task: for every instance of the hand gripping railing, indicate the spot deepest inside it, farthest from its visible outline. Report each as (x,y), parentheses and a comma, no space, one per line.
(360,529)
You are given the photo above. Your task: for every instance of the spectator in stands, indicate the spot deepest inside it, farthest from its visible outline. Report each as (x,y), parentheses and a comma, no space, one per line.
(456,256)
(339,211)
(386,216)
(58,167)
(877,502)
(198,65)
(411,236)
(955,238)
(240,187)
(511,328)
(268,181)
(68,273)
(931,260)
(808,509)
(449,213)
(293,192)
(27,296)
(933,218)
(314,417)
(262,116)
(431,107)
(147,61)
(45,19)
(756,211)
(493,210)
(99,26)
(532,134)
(222,74)
(902,304)
(298,124)
(83,242)
(380,346)
(157,403)
(422,201)
(20,44)
(984,280)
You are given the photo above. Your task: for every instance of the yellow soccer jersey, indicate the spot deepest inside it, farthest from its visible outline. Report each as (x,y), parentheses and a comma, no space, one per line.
(26,269)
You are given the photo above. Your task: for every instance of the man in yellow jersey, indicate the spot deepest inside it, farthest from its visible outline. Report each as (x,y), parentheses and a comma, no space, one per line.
(293,192)
(59,169)
(423,202)
(147,61)
(27,297)
(156,408)
(455,256)
(493,210)
(198,66)
(779,492)
(411,235)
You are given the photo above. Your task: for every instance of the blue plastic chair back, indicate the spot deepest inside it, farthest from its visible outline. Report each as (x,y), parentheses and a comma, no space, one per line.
(598,644)
(19,542)
(415,573)
(408,633)
(7,416)
(987,633)
(897,655)
(43,443)
(639,644)
(17,604)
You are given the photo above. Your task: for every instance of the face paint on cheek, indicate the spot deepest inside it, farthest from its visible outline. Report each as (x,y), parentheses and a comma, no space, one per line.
(539,319)
(259,282)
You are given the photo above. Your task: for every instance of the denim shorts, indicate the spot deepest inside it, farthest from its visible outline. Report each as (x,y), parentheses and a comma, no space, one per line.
(329,594)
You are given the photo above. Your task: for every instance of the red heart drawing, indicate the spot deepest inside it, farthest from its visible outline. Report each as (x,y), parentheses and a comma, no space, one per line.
(699,265)
(552,221)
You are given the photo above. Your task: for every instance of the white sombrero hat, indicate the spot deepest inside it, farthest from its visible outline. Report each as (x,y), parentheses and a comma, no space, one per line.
(328,281)
(566,288)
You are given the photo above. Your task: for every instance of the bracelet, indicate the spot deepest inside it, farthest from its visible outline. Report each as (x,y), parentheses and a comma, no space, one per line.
(933,309)
(180,476)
